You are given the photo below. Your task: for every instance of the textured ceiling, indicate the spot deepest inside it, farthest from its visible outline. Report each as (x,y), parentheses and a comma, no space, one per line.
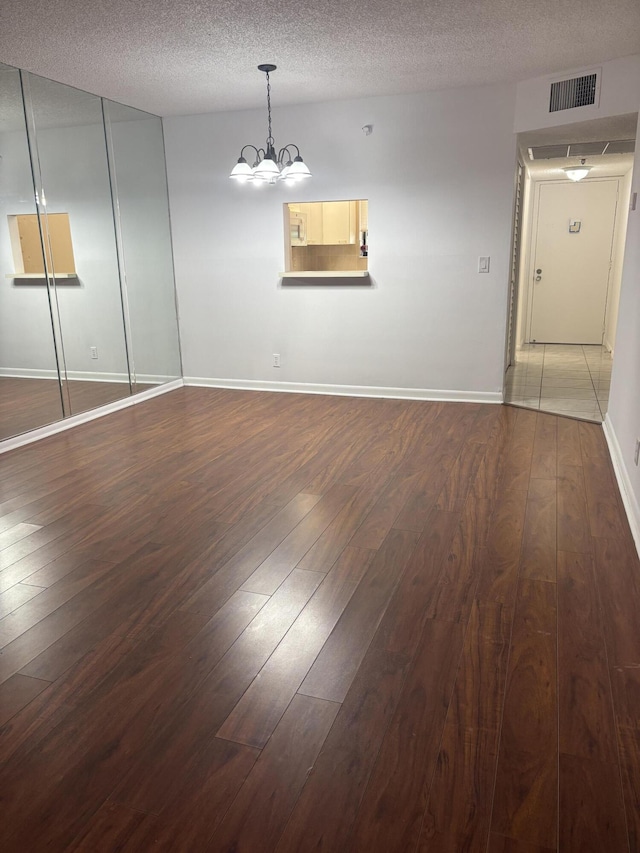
(187,56)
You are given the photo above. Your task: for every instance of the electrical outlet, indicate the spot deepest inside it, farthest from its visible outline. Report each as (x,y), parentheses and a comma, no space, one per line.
(276,359)
(636,458)
(93,351)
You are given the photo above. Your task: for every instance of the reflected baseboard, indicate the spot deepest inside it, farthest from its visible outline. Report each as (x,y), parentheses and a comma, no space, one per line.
(83,417)
(84,375)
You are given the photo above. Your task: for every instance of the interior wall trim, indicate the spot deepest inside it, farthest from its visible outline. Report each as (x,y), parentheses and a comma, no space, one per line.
(87,375)
(83,417)
(629,499)
(436,394)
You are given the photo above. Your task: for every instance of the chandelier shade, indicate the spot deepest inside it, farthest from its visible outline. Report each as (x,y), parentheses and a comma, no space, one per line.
(269,167)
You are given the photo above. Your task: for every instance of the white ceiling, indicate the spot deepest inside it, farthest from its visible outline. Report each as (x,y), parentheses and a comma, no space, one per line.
(187,56)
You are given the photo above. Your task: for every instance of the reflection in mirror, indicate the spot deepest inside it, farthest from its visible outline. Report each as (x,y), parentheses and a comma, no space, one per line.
(327,236)
(136,149)
(73,184)
(30,393)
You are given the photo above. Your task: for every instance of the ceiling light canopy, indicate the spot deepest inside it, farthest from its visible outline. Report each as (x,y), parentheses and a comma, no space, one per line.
(269,167)
(577,173)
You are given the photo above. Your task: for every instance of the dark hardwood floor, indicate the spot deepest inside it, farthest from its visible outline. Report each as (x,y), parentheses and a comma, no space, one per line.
(241,621)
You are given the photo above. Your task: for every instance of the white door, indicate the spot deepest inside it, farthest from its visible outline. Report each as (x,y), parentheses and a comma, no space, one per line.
(572,260)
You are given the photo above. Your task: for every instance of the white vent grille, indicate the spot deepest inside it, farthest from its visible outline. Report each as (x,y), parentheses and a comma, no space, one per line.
(577,92)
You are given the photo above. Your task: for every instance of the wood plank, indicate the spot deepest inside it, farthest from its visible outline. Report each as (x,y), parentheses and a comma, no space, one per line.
(16,596)
(323,816)
(414,597)
(606,516)
(574,534)
(16,533)
(591,814)
(586,721)
(592,440)
(617,571)
(544,459)
(527,780)
(260,812)
(255,717)
(238,567)
(390,814)
(187,725)
(379,521)
(538,558)
(478,693)
(115,827)
(16,692)
(516,467)
(458,813)
(500,559)
(331,675)
(454,493)
(500,844)
(569,451)
(629,743)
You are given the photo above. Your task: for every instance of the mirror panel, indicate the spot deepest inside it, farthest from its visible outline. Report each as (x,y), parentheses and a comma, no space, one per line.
(136,150)
(30,392)
(72,179)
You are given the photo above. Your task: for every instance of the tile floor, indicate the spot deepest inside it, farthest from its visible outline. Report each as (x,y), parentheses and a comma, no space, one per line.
(565,379)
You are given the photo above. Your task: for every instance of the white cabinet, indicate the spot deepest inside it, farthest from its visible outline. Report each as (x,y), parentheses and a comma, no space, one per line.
(330,223)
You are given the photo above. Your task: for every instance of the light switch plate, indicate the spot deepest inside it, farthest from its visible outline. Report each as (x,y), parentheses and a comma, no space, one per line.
(483,264)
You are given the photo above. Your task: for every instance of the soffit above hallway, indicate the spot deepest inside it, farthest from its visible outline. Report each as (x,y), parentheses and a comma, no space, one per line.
(173,58)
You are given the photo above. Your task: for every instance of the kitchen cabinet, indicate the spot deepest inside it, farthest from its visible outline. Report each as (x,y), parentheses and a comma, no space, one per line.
(330,223)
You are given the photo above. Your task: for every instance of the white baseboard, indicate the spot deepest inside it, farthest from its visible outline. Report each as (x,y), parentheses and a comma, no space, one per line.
(86,375)
(629,499)
(83,417)
(348,390)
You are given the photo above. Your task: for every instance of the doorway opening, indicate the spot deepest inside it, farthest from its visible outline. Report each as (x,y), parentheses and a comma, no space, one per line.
(568,250)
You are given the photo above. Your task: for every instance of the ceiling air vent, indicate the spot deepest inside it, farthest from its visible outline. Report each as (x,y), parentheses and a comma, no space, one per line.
(577,92)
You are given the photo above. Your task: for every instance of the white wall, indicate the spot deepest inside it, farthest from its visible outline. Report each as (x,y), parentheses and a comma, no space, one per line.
(620,80)
(623,418)
(438,173)
(613,299)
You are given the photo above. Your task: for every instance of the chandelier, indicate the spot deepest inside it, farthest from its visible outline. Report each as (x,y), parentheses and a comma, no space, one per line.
(269,167)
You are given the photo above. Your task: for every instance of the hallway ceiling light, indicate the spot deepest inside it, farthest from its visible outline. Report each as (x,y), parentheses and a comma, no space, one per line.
(269,167)
(577,173)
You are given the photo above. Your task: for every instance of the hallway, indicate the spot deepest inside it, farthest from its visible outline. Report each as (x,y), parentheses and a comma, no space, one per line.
(564,379)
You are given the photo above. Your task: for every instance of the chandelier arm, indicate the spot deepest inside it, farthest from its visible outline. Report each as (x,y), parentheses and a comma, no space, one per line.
(249,146)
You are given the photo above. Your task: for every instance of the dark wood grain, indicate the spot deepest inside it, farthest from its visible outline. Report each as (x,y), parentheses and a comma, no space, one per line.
(526,780)
(539,546)
(586,717)
(447,610)
(256,715)
(335,667)
(544,458)
(574,534)
(323,817)
(591,813)
(390,814)
(260,812)
(458,813)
